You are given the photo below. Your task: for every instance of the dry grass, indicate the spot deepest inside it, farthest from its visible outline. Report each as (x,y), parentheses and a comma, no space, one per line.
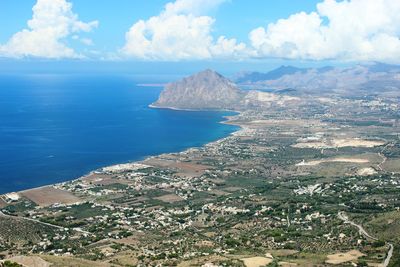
(256,261)
(282,252)
(191,166)
(125,259)
(338,143)
(340,258)
(170,198)
(392,165)
(287,264)
(59,261)
(48,195)
(31,261)
(337,160)
(202,260)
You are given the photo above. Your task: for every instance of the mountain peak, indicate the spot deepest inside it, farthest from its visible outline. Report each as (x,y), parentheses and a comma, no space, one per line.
(204,90)
(208,73)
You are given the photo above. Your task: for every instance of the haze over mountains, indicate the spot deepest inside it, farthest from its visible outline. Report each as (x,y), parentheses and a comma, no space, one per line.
(360,79)
(210,90)
(255,76)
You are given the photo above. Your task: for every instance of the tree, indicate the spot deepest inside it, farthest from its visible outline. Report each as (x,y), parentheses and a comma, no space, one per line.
(10,264)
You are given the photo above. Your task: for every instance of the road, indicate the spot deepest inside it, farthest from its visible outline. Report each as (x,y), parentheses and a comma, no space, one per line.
(362,231)
(382,155)
(389,256)
(44,223)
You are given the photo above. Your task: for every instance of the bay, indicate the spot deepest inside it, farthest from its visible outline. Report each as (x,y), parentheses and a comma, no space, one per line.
(55,128)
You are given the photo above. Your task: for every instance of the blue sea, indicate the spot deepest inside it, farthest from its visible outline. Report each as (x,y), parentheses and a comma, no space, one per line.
(55,128)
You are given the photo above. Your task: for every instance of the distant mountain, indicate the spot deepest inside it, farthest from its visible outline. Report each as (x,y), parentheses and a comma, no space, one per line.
(286,86)
(357,80)
(383,67)
(250,77)
(204,90)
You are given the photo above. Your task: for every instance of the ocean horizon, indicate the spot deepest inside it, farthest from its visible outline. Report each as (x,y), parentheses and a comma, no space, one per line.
(55,128)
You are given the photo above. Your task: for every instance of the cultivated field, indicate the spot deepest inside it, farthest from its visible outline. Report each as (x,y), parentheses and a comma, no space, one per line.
(48,195)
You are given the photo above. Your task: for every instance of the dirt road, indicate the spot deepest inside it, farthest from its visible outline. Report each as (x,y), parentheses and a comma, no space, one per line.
(363,232)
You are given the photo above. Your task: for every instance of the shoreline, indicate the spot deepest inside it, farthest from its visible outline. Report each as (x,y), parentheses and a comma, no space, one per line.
(226,120)
(187,109)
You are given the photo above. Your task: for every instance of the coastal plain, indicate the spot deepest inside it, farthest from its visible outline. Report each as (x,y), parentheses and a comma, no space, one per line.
(303,182)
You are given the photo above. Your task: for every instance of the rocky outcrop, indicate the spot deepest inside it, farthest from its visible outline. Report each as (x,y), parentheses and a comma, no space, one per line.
(204,90)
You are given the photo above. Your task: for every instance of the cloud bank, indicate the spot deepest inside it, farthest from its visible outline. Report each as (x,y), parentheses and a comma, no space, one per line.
(343,30)
(52,22)
(359,30)
(179,32)
(349,30)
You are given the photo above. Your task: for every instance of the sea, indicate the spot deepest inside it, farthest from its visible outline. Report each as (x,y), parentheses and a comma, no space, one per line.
(55,128)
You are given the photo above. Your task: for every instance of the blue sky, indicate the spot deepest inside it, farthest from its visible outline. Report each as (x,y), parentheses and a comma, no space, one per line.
(235,18)
(257,31)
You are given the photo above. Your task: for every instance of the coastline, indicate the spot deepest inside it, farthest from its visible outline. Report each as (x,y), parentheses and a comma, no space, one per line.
(151,84)
(226,120)
(187,109)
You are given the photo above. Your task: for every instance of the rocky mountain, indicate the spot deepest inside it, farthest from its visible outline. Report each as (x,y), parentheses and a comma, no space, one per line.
(204,90)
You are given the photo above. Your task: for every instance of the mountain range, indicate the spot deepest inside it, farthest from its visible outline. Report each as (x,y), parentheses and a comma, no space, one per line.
(286,85)
(357,80)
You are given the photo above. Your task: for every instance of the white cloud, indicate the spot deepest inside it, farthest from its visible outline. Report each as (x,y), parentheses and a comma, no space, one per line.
(228,48)
(180,32)
(345,30)
(195,7)
(52,22)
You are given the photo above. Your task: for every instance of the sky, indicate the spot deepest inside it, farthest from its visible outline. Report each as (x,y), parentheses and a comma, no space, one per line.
(234,32)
